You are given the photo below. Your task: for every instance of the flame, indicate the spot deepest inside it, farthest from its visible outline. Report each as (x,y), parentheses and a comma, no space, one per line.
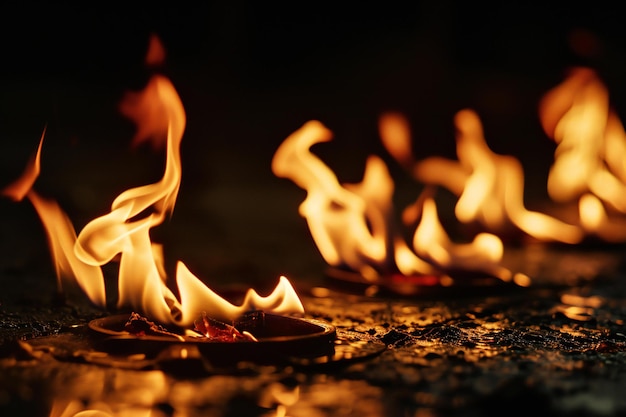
(156,53)
(591,142)
(123,235)
(575,115)
(588,167)
(432,243)
(395,134)
(154,110)
(352,224)
(59,232)
(489,186)
(595,220)
(20,187)
(349,224)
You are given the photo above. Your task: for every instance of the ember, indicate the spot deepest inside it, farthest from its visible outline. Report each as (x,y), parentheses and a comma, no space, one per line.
(140,326)
(204,327)
(220,332)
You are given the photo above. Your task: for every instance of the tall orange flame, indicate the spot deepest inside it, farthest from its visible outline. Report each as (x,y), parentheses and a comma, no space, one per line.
(432,243)
(124,233)
(118,232)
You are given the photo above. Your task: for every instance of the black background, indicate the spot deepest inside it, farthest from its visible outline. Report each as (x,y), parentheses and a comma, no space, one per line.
(303,60)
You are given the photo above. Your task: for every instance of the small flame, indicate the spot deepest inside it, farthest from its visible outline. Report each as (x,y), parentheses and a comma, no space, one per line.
(155,109)
(156,53)
(595,219)
(352,224)
(432,243)
(60,233)
(395,134)
(21,187)
(123,235)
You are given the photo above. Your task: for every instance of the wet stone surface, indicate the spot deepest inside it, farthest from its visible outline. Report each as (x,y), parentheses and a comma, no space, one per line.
(469,354)
(560,350)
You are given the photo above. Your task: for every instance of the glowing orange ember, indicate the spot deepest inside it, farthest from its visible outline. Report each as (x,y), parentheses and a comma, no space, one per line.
(123,235)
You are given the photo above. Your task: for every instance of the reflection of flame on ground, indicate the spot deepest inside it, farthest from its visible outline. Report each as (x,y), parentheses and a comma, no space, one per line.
(97,392)
(123,235)
(352,224)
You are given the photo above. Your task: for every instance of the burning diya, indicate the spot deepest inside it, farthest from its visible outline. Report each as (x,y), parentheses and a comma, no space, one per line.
(256,336)
(354,225)
(166,314)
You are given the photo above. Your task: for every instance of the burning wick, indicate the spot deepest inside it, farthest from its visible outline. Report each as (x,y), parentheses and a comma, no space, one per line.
(123,235)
